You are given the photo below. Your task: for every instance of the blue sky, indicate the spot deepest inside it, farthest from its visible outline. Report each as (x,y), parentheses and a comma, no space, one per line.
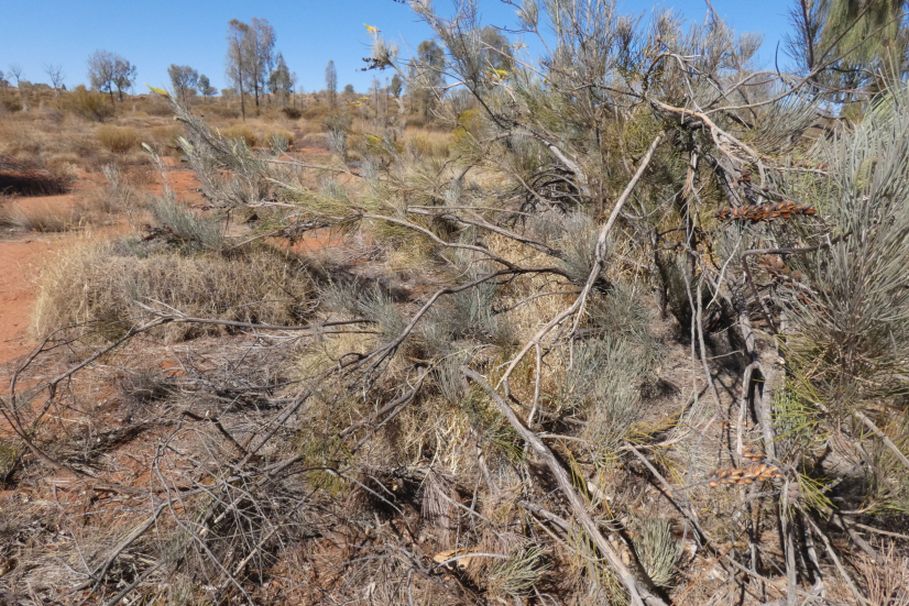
(154,34)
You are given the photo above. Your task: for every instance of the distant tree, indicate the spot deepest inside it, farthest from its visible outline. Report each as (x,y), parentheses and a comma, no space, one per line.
(349,90)
(16,72)
(331,83)
(281,81)
(108,72)
(184,80)
(55,74)
(426,76)
(205,87)
(261,47)
(101,72)
(3,81)
(239,71)
(124,76)
(397,86)
(496,50)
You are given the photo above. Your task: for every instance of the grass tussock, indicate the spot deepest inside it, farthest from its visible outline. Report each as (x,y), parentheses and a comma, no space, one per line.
(102,291)
(117,139)
(41,216)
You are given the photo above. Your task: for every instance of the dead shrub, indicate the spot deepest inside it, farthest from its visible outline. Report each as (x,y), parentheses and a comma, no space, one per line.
(117,139)
(99,290)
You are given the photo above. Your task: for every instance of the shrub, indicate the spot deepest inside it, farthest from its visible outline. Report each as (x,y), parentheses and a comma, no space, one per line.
(241,132)
(87,104)
(117,139)
(97,291)
(292,112)
(184,227)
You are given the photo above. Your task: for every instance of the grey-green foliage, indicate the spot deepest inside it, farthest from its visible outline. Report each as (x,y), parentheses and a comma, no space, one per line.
(230,173)
(658,551)
(856,316)
(520,572)
(190,230)
(603,385)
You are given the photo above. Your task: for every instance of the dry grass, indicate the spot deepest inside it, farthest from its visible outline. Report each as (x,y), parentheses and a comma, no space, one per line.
(100,289)
(117,139)
(42,216)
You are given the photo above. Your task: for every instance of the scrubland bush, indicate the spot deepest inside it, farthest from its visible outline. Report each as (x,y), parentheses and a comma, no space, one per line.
(636,335)
(292,113)
(242,132)
(117,139)
(87,104)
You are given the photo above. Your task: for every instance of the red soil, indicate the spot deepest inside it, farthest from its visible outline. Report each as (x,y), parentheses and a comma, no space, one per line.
(23,258)
(21,261)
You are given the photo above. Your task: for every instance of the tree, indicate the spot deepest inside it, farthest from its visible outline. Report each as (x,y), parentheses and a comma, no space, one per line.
(184,80)
(426,76)
(55,74)
(281,81)
(108,72)
(397,86)
(16,71)
(239,71)
(261,47)
(3,81)
(331,83)
(124,75)
(843,44)
(101,72)
(205,87)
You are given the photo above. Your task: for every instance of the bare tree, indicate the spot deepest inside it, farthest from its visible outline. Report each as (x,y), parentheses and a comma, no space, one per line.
(55,74)
(16,71)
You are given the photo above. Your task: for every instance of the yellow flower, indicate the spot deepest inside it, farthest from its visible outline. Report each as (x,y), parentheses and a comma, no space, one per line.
(372,29)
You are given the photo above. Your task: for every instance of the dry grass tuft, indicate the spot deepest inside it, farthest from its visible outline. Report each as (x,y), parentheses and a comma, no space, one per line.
(40,216)
(118,139)
(99,291)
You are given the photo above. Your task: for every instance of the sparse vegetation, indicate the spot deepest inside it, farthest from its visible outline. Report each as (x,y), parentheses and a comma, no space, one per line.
(623,323)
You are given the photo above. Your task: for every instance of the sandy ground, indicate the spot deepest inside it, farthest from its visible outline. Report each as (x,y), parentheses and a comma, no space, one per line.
(23,256)
(21,261)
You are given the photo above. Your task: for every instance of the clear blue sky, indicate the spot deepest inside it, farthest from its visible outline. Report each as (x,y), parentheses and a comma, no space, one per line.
(154,34)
